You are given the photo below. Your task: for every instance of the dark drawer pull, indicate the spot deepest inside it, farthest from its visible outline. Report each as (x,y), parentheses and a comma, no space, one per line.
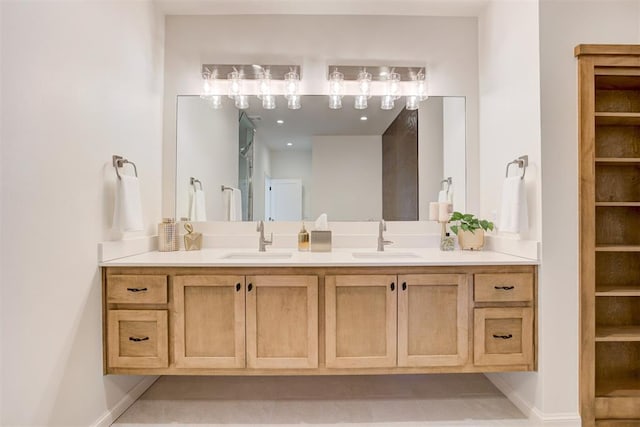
(137,289)
(134,339)
(249,287)
(504,337)
(237,287)
(393,286)
(504,288)
(404,286)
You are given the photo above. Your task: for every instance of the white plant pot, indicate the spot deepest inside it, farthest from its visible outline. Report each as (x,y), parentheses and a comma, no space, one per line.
(472,241)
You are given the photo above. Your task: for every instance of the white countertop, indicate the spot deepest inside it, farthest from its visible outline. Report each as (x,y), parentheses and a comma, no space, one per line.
(343,257)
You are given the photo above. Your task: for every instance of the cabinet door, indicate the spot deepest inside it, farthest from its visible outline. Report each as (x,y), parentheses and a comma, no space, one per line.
(361,321)
(433,320)
(282,321)
(209,321)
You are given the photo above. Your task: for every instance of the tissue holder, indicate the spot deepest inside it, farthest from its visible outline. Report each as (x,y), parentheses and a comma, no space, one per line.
(320,240)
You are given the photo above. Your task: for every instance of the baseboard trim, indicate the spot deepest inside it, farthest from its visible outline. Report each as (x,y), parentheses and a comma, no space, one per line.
(111,415)
(534,414)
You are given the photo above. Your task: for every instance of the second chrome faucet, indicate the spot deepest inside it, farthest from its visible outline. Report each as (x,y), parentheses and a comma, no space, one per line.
(263,243)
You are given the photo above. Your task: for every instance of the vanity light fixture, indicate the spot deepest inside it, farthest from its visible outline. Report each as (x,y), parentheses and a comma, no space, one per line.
(219,79)
(336,89)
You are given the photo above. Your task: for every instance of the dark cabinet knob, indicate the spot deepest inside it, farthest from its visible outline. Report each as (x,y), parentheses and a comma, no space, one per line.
(393,286)
(249,287)
(238,287)
(404,286)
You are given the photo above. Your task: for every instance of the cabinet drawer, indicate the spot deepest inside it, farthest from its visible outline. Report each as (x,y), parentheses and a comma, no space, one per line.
(503,336)
(137,339)
(504,287)
(137,289)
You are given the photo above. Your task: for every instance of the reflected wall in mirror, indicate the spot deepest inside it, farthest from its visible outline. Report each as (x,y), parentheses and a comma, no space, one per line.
(288,165)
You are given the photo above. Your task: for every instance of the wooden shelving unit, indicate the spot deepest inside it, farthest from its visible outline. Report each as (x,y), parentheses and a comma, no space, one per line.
(609,104)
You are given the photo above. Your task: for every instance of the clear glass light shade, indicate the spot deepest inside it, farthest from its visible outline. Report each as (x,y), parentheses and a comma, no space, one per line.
(242,102)
(291,84)
(335,102)
(420,87)
(293,102)
(387,102)
(235,84)
(336,83)
(360,102)
(364,83)
(392,85)
(412,102)
(268,102)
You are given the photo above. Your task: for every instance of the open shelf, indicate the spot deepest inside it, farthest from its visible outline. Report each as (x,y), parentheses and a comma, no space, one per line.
(619,387)
(618,160)
(618,225)
(617,182)
(618,369)
(618,291)
(617,142)
(618,333)
(618,273)
(617,248)
(617,119)
(610,78)
(618,204)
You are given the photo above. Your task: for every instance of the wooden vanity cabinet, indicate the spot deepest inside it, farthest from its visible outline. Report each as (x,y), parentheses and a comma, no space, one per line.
(318,320)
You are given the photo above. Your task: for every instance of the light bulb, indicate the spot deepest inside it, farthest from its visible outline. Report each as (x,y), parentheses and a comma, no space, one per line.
(364,83)
(412,102)
(393,85)
(421,86)
(268,102)
(235,84)
(292,82)
(215,101)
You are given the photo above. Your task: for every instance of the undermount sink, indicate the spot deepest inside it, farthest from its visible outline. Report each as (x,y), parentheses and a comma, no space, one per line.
(384,255)
(258,255)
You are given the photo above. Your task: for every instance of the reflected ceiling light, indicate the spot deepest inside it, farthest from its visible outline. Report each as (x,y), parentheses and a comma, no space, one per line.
(279,122)
(336,89)
(363,118)
(292,86)
(364,88)
(210,89)
(418,91)
(289,144)
(268,99)
(391,91)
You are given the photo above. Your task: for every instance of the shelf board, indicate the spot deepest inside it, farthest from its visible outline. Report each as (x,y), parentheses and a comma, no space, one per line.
(619,387)
(624,119)
(618,204)
(618,248)
(617,333)
(618,291)
(618,160)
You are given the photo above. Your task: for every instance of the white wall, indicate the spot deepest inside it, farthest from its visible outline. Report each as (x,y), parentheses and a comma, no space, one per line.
(448,46)
(295,165)
(347,177)
(563,25)
(81,81)
(509,103)
(206,137)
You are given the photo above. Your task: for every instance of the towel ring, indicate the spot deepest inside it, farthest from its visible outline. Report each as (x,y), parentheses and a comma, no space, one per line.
(522,162)
(194,181)
(119,162)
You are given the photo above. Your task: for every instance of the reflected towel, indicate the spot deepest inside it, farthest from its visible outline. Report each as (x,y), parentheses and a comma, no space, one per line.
(513,210)
(127,213)
(233,204)
(198,210)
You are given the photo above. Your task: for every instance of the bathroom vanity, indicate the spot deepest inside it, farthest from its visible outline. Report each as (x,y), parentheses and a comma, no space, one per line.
(217,312)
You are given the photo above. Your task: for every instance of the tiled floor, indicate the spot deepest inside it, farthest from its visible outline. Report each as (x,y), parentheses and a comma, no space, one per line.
(407,401)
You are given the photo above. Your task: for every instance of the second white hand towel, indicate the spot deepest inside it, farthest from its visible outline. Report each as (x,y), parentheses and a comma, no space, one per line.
(127,214)
(233,204)
(513,217)
(198,210)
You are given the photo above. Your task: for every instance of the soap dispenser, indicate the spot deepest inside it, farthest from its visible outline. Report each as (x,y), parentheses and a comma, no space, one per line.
(303,239)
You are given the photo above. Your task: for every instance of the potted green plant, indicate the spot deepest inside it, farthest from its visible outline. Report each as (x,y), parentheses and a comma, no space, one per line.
(470,230)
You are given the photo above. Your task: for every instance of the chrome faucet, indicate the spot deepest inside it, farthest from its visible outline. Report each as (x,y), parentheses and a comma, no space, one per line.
(262,243)
(381,242)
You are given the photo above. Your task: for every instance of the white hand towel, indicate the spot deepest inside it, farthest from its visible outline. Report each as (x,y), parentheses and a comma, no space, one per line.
(127,213)
(233,204)
(513,210)
(442,196)
(198,210)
